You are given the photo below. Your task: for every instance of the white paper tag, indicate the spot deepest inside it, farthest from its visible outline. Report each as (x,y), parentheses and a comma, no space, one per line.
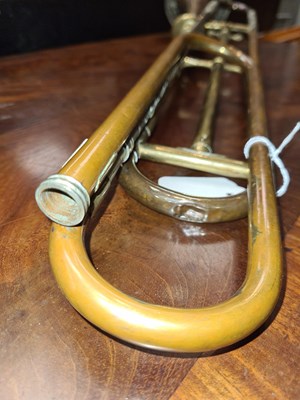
(201,186)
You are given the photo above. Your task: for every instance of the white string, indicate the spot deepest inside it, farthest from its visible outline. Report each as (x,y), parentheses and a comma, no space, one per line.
(274,155)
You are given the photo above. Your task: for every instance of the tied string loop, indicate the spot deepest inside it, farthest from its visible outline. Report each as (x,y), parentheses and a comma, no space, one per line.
(274,155)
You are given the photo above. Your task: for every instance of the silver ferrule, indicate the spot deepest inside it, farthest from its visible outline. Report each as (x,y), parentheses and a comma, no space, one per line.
(63,199)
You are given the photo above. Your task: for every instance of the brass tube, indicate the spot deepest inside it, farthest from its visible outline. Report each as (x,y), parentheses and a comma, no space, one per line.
(64,197)
(161,327)
(203,140)
(176,329)
(178,205)
(192,62)
(193,159)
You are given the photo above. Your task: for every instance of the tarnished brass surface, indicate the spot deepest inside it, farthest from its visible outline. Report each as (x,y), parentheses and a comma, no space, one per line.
(189,158)
(203,139)
(130,117)
(178,205)
(150,325)
(198,157)
(174,329)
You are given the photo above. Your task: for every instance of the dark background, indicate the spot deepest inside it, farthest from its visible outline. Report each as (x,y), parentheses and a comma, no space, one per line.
(28,25)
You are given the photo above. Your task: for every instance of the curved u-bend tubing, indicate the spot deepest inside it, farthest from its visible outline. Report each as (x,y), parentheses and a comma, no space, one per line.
(180,206)
(175,329)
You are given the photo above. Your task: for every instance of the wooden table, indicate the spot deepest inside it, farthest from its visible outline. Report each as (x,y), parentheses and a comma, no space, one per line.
(50,101)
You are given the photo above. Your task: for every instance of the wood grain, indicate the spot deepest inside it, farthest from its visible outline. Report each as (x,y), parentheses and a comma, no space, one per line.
(268,366)
(49,102)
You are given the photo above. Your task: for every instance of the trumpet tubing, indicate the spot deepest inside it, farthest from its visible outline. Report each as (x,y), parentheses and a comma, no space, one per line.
(120,141)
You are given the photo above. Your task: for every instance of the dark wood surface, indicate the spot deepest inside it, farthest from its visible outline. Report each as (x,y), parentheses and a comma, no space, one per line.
(50,101)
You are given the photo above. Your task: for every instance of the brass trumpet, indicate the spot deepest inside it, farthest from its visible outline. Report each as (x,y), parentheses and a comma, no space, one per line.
(69,196)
